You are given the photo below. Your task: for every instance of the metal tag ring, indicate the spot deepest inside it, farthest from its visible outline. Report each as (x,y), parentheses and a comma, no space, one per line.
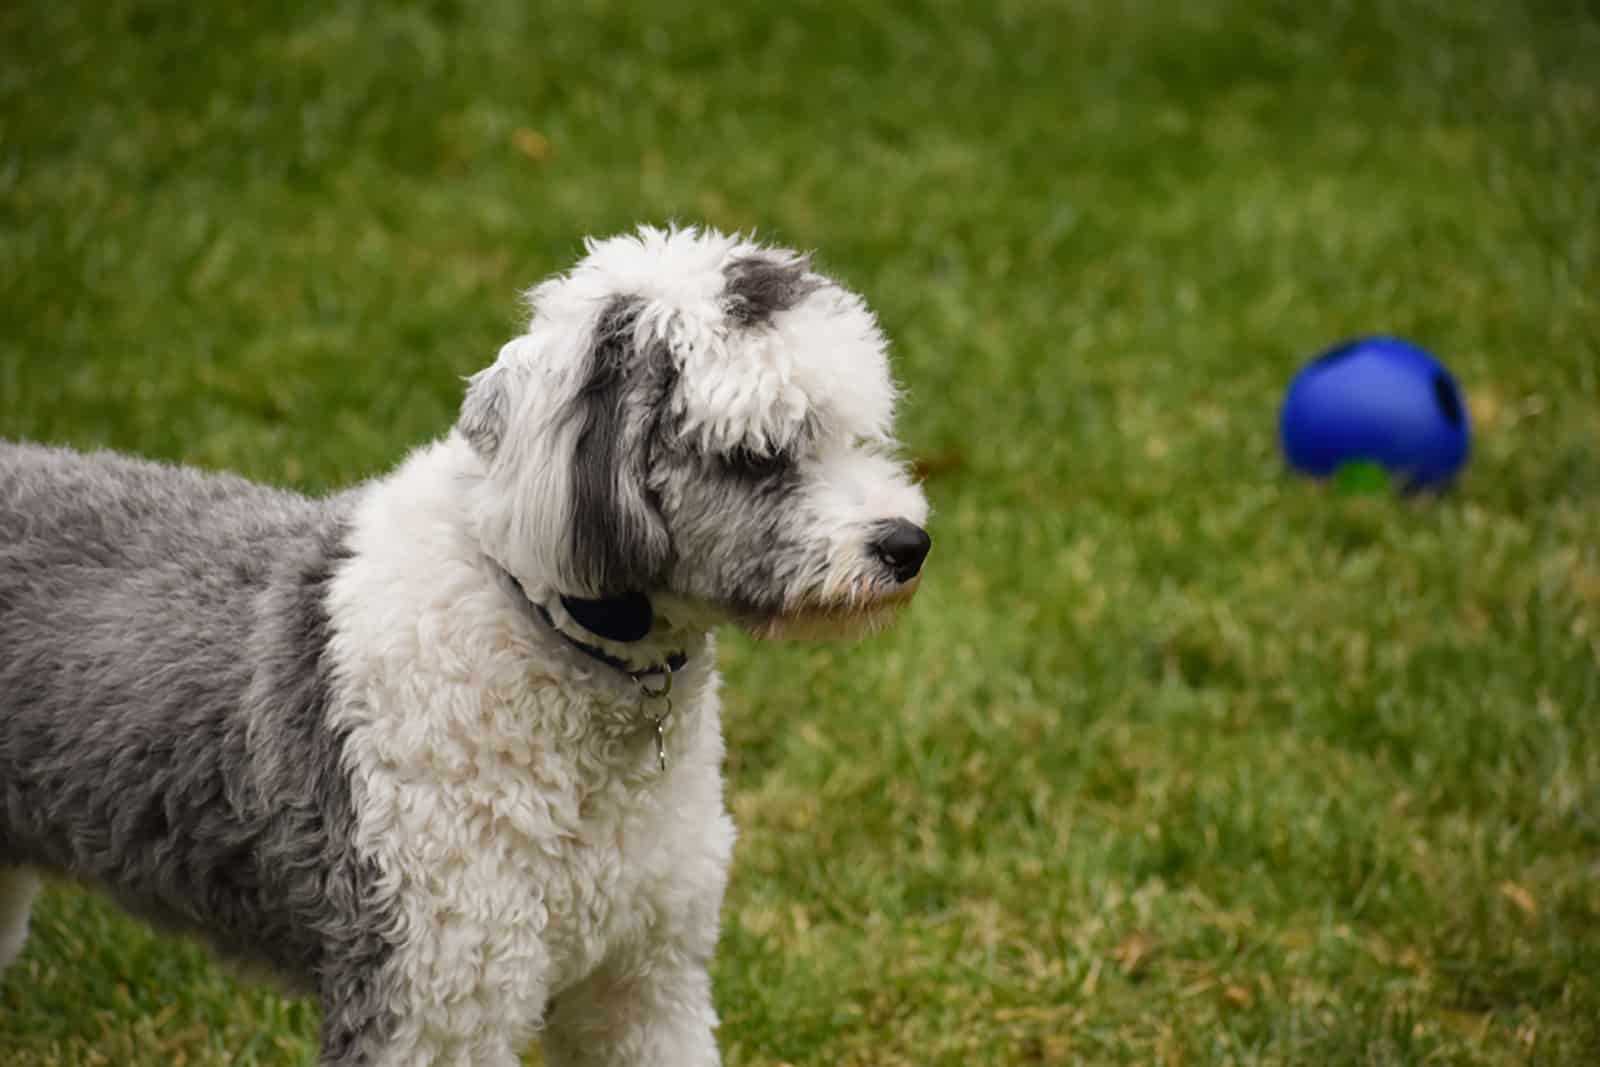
(663,680)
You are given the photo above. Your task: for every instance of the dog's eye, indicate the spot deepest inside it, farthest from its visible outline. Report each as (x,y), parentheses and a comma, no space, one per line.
(748,463)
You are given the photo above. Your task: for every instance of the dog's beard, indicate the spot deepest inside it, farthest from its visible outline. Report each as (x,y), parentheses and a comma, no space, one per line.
(858,615)
(849,601)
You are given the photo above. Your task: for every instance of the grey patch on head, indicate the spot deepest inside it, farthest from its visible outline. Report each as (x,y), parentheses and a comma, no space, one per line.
(618,542)
(757,287)
(485,410)
(164,700)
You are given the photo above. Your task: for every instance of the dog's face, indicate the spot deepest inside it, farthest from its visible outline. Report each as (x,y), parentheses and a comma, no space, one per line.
(705,421)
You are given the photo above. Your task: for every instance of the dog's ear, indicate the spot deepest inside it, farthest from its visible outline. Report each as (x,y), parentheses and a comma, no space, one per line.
(619,541)
(486,409)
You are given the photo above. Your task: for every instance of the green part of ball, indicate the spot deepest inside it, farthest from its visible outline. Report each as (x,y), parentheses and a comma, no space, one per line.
(1360,478)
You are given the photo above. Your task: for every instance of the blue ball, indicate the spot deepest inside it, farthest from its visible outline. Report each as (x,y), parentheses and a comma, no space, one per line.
(1376,400)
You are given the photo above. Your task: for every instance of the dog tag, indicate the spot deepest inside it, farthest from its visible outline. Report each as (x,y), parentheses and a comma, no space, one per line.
(657,694)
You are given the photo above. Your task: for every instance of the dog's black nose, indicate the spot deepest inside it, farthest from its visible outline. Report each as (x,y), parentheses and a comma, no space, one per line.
(903,546)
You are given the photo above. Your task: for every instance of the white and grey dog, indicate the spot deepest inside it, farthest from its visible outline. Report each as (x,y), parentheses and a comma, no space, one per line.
(444,749)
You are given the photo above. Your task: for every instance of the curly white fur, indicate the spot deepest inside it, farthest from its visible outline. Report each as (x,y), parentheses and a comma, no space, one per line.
(514,804)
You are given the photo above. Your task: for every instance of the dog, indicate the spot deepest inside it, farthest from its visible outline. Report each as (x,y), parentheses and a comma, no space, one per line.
(443,750)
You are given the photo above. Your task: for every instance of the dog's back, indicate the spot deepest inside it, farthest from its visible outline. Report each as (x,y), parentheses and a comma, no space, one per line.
(153,621)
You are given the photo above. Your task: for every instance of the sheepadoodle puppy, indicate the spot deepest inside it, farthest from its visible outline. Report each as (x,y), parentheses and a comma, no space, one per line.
(443,750)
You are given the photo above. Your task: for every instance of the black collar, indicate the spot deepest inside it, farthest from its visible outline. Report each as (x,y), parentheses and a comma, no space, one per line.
(673,664)
(623,619)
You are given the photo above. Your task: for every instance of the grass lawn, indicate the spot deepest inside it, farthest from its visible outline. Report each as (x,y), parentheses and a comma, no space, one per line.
(1177,759)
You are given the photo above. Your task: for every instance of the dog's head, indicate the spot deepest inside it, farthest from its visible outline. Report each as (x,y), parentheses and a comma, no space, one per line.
(705,421)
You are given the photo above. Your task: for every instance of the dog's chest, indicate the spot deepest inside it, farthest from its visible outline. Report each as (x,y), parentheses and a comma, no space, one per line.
(581,866)
(624,882)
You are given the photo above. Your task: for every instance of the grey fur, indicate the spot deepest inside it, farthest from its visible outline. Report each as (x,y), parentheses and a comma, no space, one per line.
(163,717)
(734,540)
(758,287)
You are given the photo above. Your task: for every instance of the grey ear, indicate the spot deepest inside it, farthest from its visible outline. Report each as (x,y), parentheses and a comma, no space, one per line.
(619,544)
(485,409)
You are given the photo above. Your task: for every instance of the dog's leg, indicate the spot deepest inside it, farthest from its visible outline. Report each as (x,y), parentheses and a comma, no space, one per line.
(374,1038)
(357,1031)
(413,1047)
(658,1012)
(17,888)
(432,1003)
(364,1026)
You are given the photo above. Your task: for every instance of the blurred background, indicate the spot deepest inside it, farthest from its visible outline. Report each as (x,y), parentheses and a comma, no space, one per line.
(1177,759)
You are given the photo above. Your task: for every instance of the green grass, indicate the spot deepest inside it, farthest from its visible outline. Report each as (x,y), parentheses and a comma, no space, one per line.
(1176,760)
